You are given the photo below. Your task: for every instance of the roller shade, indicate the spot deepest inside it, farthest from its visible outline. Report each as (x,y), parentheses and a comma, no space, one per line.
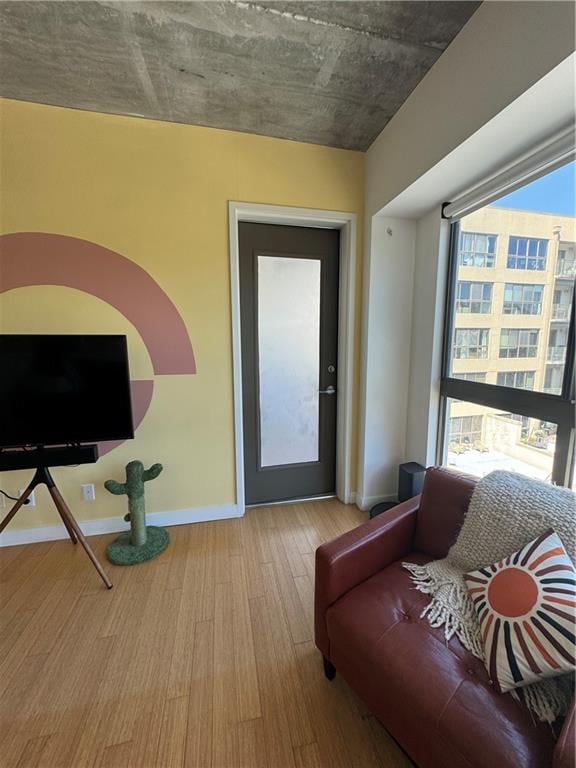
(543,159)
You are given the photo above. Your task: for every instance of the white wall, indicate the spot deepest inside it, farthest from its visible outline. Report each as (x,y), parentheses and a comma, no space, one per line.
(387,298)
(429,290)
(546,109)
(505,82)
(500,53)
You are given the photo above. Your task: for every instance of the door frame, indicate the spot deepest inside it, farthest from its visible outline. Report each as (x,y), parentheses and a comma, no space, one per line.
(346,223)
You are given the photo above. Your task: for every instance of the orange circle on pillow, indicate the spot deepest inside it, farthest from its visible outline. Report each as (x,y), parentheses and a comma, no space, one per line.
(512,592)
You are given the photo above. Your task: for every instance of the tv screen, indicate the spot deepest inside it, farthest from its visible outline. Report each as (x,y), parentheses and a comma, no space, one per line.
(56,390)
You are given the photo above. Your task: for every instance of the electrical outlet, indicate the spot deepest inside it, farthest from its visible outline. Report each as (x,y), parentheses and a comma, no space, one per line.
(88,492)
(31,499)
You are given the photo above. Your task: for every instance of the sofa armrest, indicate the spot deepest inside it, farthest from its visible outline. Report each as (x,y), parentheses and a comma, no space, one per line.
(565,749)
(352,558)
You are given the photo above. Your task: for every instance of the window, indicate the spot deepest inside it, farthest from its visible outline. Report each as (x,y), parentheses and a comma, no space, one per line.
(523,420)
(471,376)
(526,345)
(521,299)
(526,253)
(518,342)
(473,297)
(477,249)
(471,343)
(566,263)
(557,344)
(516,379)
(561,303)
(553,379)
(465,430)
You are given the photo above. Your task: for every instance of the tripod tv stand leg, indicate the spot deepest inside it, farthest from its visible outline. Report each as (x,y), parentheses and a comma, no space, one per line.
(43,477)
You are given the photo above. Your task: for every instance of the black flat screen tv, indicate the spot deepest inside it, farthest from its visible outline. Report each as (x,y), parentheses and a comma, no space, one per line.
(58,390)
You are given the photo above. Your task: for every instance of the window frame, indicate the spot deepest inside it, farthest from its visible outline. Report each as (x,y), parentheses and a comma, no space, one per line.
(525,290)
(484,304)
(462,420)
(538,257)
(478,345)
(484,254)
(514,376)
(558,409)
(519,344)
(472,376)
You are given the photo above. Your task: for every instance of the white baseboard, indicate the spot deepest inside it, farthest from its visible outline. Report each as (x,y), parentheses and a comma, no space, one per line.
(116,524)
(367,502)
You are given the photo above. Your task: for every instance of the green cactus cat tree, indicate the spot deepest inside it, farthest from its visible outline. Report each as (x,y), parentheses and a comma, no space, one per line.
(141,542)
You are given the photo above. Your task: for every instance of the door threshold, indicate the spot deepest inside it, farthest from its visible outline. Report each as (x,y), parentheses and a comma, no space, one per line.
(291,501)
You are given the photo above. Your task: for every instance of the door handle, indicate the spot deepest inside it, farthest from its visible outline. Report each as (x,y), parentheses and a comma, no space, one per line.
(328,391)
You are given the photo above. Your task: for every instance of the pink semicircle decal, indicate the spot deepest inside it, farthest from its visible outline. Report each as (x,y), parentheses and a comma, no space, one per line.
(141,392)
(39,258)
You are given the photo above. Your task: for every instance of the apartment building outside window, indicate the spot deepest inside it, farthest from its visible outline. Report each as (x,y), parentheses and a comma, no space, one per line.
(517,379)
(522,339)
(471,343)
(561,303)
(519,342)
(471,376)
(465,429)
(526,253)
(566,263)
(522,299)
(557,344)
(477,249)
(522,420)
(475,298)
(553,379)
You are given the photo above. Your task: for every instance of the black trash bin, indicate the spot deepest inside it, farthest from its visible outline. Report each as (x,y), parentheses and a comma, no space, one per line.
(384,506)
(410,481)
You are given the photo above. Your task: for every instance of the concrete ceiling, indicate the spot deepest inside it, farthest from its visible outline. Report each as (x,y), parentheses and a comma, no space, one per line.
(324,72)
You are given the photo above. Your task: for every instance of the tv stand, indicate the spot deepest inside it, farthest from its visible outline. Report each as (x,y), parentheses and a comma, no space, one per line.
(42,476)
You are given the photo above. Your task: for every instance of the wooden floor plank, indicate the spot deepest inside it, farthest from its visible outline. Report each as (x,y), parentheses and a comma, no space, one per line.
(308,756)
(251,744)
(297,621)
(285,670)
(172,742)
(225,715)
(32,752)
(276,728)
(115,756)
(305,589)
(200,658)
(248,698)
(322,707)
(198,752)
(42,630)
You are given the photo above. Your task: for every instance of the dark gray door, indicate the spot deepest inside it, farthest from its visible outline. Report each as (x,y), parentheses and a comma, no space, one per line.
(289,322)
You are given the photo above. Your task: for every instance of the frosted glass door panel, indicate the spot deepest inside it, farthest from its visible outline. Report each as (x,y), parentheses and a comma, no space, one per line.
(289,359)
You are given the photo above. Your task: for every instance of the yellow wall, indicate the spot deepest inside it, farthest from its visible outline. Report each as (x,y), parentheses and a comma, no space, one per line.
(157,193)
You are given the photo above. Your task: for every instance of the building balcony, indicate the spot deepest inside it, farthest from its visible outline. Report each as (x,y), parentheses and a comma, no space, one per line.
(566,269)
(556,354)
(560,311)
(553,390)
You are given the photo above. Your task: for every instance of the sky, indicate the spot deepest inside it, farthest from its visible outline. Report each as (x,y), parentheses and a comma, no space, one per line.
(553,193)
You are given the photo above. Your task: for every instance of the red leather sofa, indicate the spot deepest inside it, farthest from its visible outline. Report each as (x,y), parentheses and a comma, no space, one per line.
(433,697)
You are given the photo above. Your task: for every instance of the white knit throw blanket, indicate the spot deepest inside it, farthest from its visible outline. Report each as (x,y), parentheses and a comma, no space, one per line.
(505,513)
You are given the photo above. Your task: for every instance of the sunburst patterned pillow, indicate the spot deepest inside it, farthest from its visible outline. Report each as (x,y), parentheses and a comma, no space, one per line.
(526,608)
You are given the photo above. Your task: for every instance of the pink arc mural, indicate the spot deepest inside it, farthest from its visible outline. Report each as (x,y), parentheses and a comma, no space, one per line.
(38,258)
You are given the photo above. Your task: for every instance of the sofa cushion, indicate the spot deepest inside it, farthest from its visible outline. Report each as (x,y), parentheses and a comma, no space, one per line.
(525,606)
(376,630)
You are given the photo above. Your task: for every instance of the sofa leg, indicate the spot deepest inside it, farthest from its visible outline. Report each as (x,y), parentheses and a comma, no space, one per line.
(329,668)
